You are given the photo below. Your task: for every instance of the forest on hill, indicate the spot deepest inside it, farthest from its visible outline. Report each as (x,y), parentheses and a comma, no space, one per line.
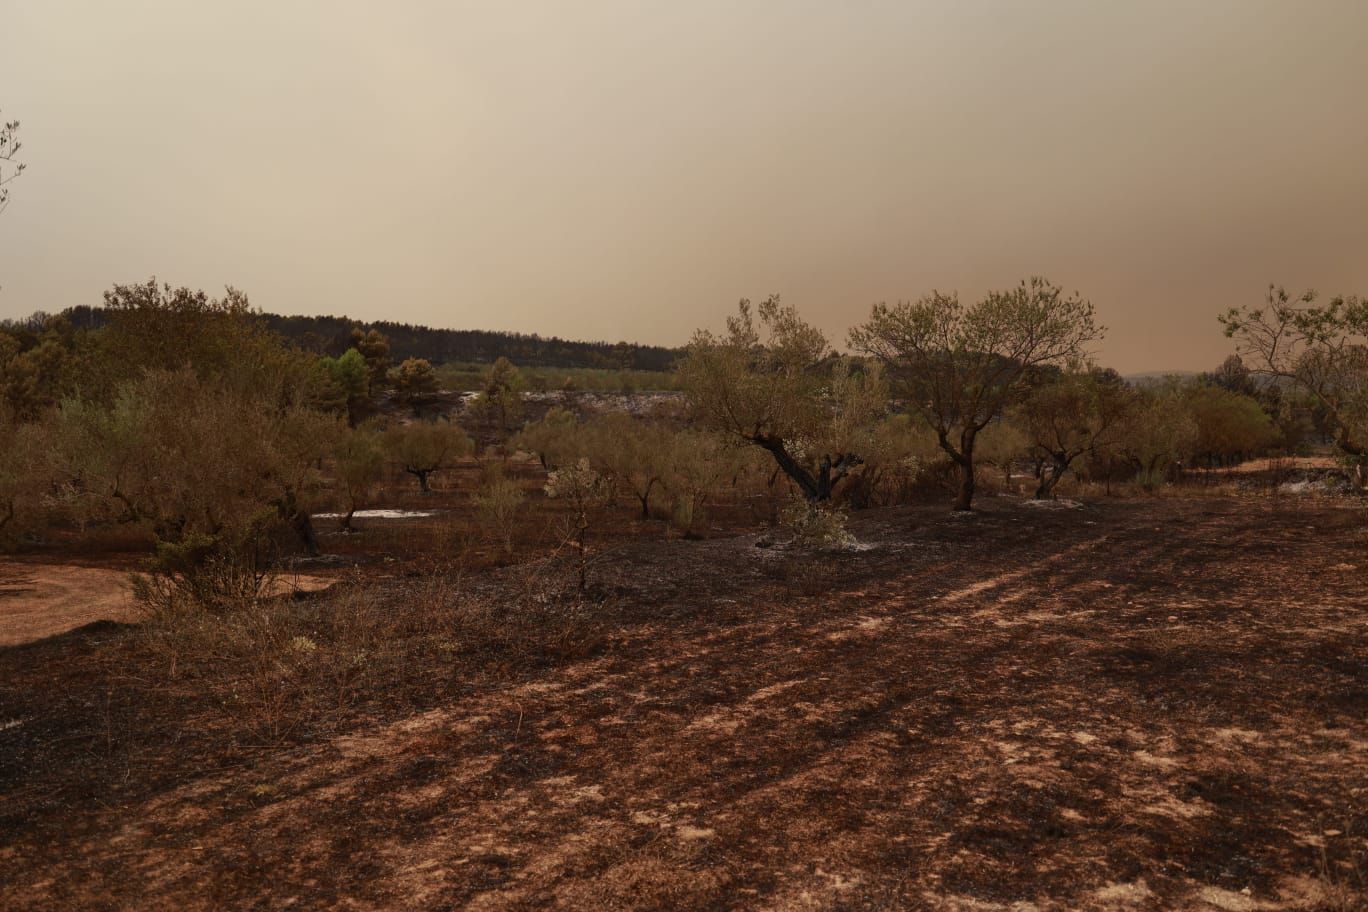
(329,335)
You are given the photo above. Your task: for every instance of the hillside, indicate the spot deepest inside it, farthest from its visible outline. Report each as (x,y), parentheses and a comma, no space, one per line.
(330,335)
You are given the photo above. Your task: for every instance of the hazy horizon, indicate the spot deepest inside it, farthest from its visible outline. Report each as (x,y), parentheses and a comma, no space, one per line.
(623,171)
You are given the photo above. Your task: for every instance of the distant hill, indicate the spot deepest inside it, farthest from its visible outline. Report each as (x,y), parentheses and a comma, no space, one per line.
(331,335)
(1147,377)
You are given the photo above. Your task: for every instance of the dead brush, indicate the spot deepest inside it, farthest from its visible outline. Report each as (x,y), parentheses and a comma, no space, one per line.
(498,504)
(275,667)
(810,577)
(1341,882)
(274,664)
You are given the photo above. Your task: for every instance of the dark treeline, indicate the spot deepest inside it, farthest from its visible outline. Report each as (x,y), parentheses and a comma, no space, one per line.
(332,336)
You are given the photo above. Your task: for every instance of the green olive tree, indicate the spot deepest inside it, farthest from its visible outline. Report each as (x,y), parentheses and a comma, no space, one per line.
(961,367)
(777,384)
(1320,348)
(421,448)
(359,462)
(1069,415)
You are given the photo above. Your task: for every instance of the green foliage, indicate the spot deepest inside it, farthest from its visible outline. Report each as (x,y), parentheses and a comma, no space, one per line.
(358,464)
(469,377)
(1157,431)
(37,369)
(374,349)
(583,488)
(155,327)
(961,367)
(633,453)
(28,475)
(694,466)
(211,470)
(497,503)
(1322,349)
(342,385)
(500,398)
(778,385)
(423,447)
(349,372)
(1229,424)
(900,454)
(555,440)
(1069,414)
(818,526)
(414,382)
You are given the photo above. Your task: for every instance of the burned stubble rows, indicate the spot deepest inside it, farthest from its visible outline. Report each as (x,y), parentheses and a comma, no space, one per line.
(1142,700)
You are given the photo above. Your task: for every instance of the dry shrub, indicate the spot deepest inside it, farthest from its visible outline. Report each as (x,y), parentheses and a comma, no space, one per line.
(497,504)
(584,489)
(818,526)
(204,573)
(278,666)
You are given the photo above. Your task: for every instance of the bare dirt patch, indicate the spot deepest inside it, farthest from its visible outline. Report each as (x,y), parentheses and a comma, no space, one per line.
(41,599)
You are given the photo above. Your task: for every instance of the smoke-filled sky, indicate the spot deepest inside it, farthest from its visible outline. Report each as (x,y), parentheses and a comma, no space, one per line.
(628,170)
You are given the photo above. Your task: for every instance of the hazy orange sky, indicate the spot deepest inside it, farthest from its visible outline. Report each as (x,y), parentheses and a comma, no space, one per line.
(627,170)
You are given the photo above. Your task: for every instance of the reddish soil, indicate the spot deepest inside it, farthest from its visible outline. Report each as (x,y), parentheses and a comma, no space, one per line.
(43,598)
(40,600)
(1135,705)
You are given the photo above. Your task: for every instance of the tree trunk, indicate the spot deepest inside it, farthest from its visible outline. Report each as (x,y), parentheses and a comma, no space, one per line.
(422,476)
(812,491)
(346,524)
(1048,480)
(300,522)
(964,501)
(645,499)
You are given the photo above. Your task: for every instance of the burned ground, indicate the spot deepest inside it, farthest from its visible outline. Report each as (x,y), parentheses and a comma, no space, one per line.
(1138,704)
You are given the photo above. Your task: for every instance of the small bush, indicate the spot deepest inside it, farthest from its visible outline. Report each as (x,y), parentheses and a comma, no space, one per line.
(817,526)
(497,503)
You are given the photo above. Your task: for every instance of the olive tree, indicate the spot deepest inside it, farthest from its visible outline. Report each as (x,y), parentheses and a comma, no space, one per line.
(900,451)
(960,367)
(583,488)
(555,440)
(423,447)
(359,461)
(159,327)
(1001,445)
(632,452)
(779,386)
(1229,425)
(1320,348)
(211,470)
(1070,414)
(694,465)
(1157,431)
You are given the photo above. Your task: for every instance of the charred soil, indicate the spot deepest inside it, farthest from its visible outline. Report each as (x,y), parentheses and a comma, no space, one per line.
(1135,704)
